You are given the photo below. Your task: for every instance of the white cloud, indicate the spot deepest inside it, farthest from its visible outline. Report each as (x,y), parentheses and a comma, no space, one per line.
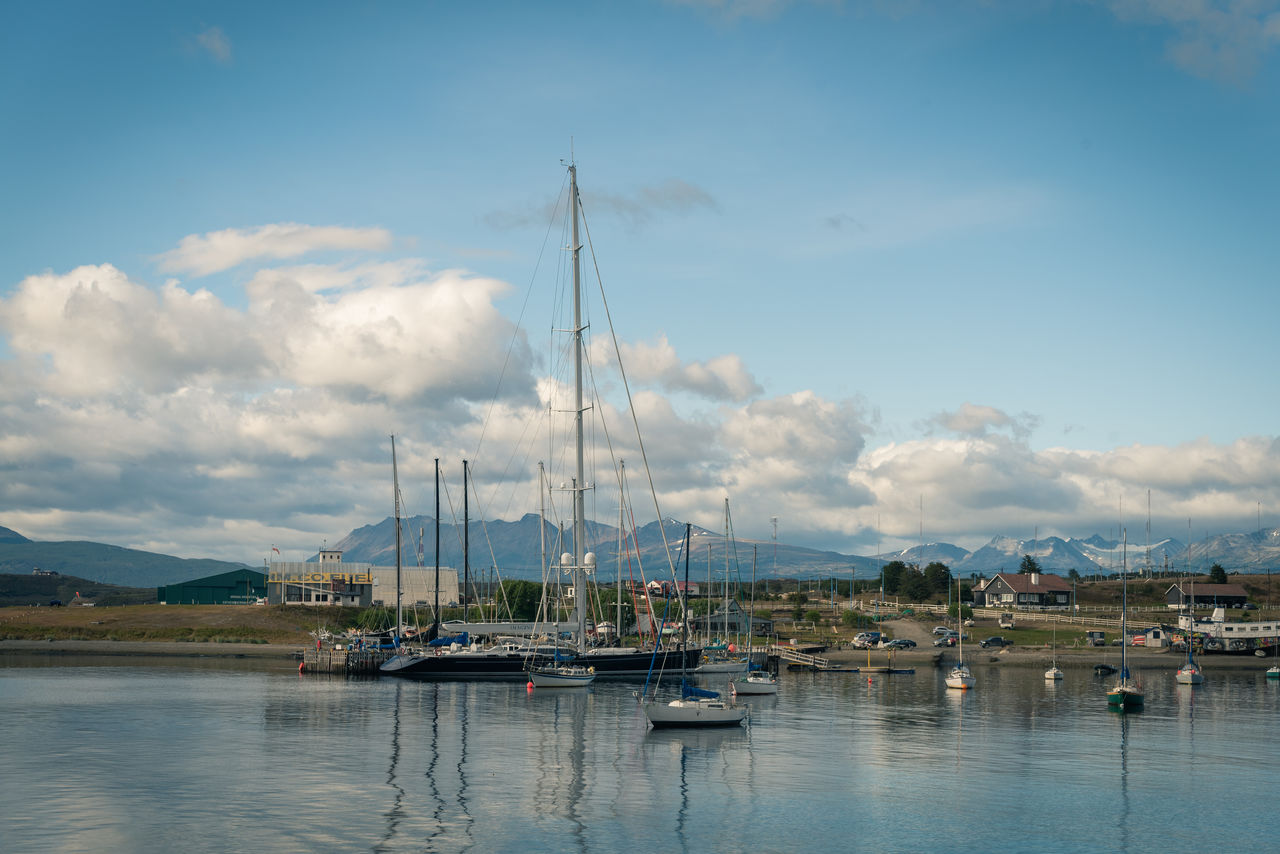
(975,421)
(202,254)
(160,417)
(656,363)
(979,487)
(1217,39)
(215,42)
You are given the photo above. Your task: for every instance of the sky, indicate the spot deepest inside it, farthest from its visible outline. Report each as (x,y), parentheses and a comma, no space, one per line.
(880,273)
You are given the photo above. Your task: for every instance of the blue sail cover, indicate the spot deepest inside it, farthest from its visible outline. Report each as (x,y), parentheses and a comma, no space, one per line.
(688,691)
(462,639)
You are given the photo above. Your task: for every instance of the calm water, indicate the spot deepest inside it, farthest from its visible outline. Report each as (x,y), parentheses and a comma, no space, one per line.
(245,756)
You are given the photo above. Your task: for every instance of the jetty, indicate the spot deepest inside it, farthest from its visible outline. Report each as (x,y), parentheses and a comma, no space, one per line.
(341,659)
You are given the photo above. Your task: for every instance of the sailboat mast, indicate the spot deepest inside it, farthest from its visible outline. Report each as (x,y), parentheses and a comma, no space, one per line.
(437,582)
(726,570)
(1124,604)
(466,544)
(395,485)
(579,484)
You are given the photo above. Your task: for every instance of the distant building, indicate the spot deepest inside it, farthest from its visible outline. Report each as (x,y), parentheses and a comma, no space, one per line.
(238,587)
(335,582)
(1206,596)
(735,622)
(1041,590)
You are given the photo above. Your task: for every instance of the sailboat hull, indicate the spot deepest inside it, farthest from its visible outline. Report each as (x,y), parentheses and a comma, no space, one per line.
(1189,675)
(1123,698)
(755,685)
(695,713)
(504,666)
(561,677)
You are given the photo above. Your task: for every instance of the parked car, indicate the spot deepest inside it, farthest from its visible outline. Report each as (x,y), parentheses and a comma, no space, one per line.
(946,640)
(994,641)
(866,640)
(942,630)
(1248,606)
(898,643)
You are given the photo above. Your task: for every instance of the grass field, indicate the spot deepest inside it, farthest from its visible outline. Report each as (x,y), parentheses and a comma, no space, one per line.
(197,623)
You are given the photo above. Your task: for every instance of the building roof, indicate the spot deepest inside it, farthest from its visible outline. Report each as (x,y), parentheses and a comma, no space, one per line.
(1208,590)
(1022,582)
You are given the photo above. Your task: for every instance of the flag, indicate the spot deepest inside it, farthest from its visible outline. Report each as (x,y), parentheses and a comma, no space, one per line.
(276,550)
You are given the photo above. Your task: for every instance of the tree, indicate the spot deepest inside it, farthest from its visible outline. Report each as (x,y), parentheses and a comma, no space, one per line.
(892,573)
(523,597)
(1217,575)
(1029,565)
(938,577)
(1073,574)
(813,617)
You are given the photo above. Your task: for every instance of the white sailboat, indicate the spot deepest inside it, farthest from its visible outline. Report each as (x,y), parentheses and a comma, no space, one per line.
(1127,693)
(720,656)
(507,659)
(757,681)
(1190,673)
(1054,672)
(960,677)
(694,707)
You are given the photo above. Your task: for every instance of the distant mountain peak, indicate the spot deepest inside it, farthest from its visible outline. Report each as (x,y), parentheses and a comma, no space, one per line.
(8,535)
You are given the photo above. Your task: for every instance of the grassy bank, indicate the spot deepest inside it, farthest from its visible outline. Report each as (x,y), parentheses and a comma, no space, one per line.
(254,624)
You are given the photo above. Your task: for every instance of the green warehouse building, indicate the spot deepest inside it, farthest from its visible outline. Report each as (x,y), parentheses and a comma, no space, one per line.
(238,587)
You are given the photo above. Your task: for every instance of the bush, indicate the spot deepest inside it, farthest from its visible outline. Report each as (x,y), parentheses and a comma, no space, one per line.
(813,617)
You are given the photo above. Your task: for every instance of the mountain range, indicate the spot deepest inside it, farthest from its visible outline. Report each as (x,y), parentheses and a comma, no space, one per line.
(516,548)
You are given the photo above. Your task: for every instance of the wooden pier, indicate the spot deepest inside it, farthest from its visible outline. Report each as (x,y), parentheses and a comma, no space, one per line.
(342,660)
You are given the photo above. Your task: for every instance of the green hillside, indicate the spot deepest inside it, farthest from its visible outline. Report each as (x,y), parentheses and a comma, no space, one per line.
(103,563)
(42,589)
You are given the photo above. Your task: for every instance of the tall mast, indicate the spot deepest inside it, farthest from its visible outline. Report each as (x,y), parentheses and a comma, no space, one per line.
(580,483)
(395,485)
(466,544)
(437,584)
(726,569)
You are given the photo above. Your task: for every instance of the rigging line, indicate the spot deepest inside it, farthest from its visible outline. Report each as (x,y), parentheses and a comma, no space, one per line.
(635,538)
(520,319)
(626,385)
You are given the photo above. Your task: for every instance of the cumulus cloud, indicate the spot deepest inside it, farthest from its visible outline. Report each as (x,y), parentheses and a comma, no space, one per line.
(1216,39)
(161,417)
(979,487)
(975,421)
(203,254)
(656,363)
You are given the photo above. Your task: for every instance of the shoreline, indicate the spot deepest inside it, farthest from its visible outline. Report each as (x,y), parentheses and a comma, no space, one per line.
(174,649)
(1068,659)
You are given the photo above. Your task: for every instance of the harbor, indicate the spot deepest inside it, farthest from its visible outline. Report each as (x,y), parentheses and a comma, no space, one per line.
(288,763)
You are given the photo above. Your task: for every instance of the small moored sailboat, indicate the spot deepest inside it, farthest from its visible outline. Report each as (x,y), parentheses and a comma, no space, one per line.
(1054,673)
(960,676)
(695,707)
(1127,693)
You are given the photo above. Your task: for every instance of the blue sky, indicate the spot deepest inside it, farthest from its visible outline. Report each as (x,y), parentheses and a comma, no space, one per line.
(1011,261)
